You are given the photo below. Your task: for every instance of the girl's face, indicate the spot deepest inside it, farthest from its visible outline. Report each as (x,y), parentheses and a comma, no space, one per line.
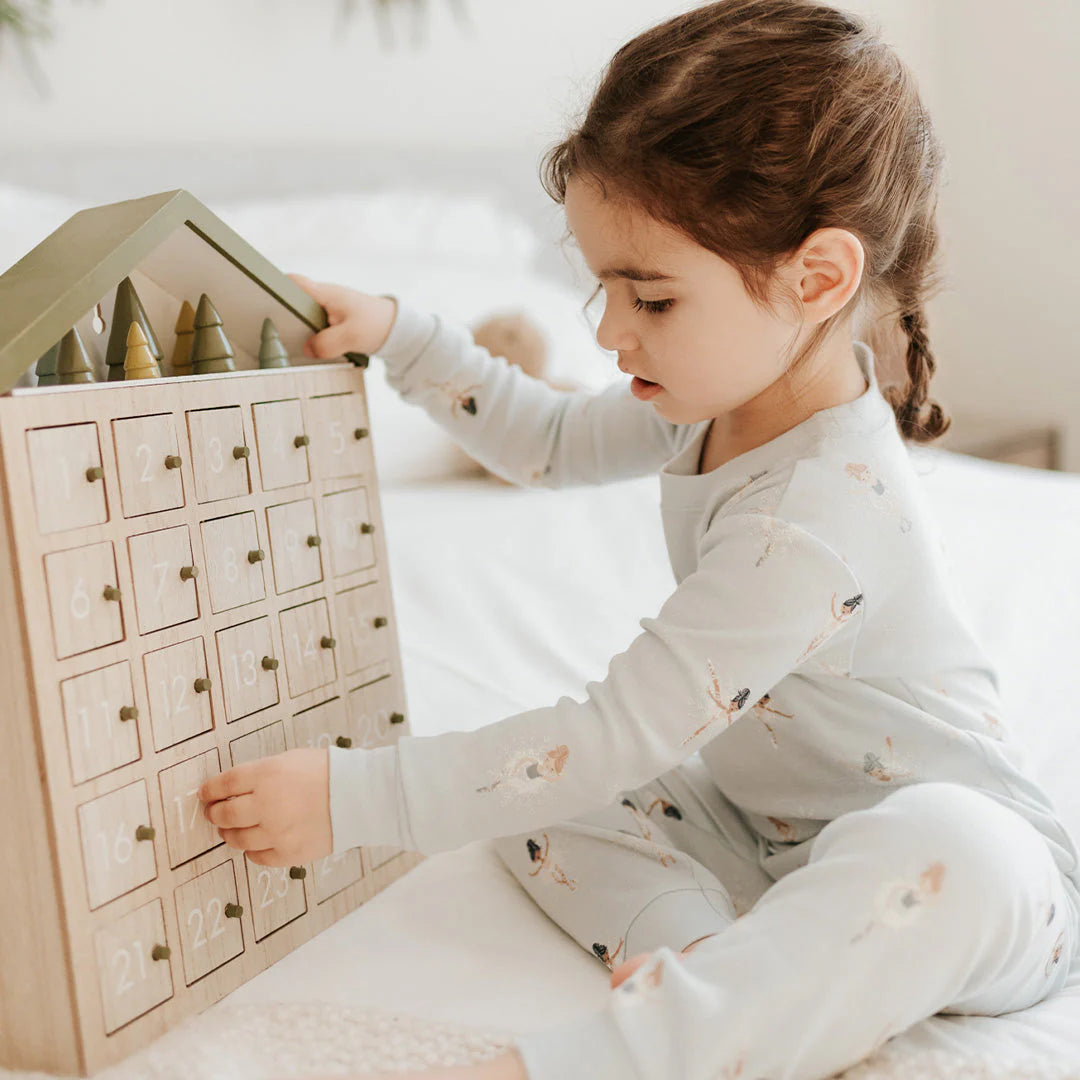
(678,315)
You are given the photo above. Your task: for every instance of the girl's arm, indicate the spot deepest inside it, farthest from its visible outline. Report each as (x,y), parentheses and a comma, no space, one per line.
(520,428)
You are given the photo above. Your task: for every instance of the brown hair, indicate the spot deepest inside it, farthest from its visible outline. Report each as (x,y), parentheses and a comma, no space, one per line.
(749,124)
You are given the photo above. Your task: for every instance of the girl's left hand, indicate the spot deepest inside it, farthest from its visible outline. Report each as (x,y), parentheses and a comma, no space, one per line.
(277,809)
(507,1066)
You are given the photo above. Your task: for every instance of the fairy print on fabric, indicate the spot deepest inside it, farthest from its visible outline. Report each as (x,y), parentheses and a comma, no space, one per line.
(606,955)
(762,706)
(459,399)
(518,774)
(543,860)
(885,502)
(645,833)
(900,903)
(1055,954)
(722,697)
(873,766)
(776,534)
(839,616)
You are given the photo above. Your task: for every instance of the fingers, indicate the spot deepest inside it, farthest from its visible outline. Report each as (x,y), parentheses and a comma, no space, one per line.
(238,812)
(234,781)
(328,343)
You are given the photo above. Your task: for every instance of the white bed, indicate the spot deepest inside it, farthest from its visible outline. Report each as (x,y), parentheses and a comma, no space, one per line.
(507,598)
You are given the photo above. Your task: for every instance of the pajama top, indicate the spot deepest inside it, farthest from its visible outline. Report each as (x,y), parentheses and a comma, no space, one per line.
(815,650)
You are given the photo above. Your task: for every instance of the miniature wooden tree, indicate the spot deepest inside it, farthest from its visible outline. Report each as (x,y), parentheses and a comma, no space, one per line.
(210,351)
(126,310)
(139,363)
(272,353)
(185,334)
(46,367)
(73,363)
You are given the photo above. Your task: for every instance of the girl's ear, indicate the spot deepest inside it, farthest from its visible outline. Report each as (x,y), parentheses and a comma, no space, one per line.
(827,270)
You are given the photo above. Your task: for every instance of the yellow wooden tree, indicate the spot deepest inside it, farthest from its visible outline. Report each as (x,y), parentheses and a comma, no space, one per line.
(139,363)
(185,334)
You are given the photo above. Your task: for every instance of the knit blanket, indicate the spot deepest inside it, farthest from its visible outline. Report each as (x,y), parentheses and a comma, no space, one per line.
(302,1039)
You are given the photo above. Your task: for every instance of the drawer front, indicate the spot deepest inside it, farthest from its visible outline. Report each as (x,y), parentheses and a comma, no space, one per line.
(248,668)
(208,913)
(364,619)
(309,648)
(351,530)
(295,544)
(134,965)
(187,832)
(164,573)
(282,443)
(84,598)
(219,453)
(234,561)
(65,469)
(117,843)
(179,690)
(340,441)
(100,719)
(148,462)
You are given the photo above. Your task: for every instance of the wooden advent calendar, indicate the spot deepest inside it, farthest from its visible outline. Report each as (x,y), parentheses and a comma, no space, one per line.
(193,574)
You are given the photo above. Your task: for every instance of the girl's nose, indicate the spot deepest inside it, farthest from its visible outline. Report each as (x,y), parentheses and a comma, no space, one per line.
(614,335)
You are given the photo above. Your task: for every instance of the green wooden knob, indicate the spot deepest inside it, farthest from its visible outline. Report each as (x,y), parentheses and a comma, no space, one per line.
(111,592)
(298,871)
(233,911)
(380,620)
(95,472)
(367,527)
(327,642)
(188,572)
(269,663)
(360,433)
(144,832)
(314,541)
(358,359)
(256,556)
(172,461)
(161,952)
(343,740)
(301,440)
(129,712)
(202,685)
(396,718)
(239,452)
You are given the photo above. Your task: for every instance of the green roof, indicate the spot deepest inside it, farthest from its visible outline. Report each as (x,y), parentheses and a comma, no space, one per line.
(53,286)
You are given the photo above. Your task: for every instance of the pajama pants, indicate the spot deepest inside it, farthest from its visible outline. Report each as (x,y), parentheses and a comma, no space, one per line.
(936,899)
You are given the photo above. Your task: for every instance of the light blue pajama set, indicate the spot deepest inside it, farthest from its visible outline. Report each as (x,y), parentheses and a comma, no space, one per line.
(803,753)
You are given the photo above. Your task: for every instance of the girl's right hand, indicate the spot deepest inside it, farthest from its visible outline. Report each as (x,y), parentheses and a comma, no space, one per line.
(358,322)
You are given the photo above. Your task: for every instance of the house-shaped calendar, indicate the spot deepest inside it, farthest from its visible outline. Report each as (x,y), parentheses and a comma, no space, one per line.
(193,574)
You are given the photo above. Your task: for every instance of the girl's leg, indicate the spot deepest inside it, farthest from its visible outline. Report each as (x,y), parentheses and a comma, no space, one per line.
(936,899)
(665,864)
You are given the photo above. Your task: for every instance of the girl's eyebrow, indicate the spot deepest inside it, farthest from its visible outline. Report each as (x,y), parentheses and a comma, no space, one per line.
(635,273)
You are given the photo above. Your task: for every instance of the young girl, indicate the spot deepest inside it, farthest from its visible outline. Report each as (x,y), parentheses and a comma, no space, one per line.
(799,770)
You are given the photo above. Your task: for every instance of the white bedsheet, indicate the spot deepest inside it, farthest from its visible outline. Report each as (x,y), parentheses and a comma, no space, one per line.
(507,598)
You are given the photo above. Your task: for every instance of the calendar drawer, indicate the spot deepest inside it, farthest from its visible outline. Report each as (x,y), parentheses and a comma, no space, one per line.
(340,442)
(133,962)
(294,544)
(325,724)
(164,573)
(208,913)
(179,690)
(117,843)
(219,453)
(68,480)
(84,598)
(282,443)
(187,831)
(234,561)
(350,528)
(248,668)
(309,648)
(363,616)
(148,462)
(100,718)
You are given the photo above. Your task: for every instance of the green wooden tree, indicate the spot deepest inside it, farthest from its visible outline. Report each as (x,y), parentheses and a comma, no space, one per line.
(139,362)
(126,310)
(210,351)
(46,367)
(271,352)
(73,364)
(185,333)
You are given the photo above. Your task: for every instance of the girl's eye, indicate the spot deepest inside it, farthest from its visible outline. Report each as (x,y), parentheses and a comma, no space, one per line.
(655,306)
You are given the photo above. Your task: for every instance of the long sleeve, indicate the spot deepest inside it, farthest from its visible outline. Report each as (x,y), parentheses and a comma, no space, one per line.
(765,597)
(520,428)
